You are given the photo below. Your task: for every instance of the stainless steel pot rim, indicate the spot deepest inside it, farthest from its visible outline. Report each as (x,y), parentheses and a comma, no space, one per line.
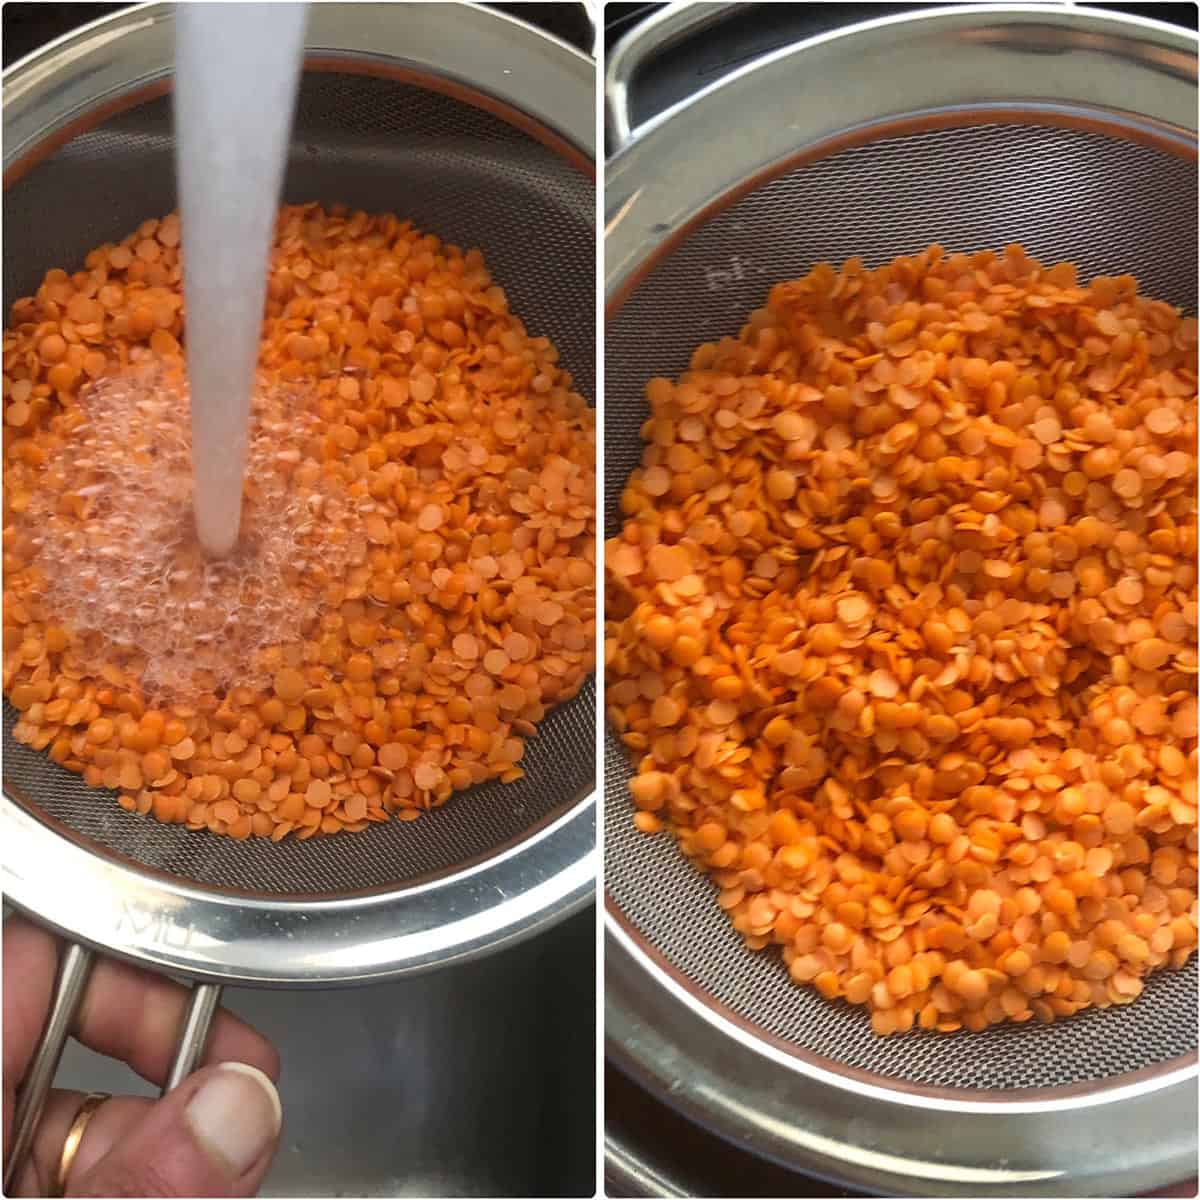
(173,924)
(823,1071)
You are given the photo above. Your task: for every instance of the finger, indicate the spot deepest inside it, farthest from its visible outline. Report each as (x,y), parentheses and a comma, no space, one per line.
(107,1127)
(136,1016)
(30,965)
(127,1013)
(214,1135)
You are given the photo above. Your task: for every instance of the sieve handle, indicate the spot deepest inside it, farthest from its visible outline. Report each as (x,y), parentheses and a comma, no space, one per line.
(73,973)
(754,31)
(193,1035)
(670,25)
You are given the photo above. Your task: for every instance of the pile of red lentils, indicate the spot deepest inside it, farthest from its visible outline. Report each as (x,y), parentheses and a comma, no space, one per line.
(902,634)
(414,588)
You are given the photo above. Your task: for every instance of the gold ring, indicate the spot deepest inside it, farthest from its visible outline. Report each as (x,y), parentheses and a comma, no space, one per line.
(87,1110)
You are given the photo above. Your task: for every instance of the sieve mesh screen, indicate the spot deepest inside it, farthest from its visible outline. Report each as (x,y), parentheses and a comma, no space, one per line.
(1108,205)
(454,170)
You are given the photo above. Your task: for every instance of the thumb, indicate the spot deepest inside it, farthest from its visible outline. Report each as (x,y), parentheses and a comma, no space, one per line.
(214,1135)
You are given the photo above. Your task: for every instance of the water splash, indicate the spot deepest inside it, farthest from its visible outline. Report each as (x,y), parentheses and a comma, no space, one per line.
(117,549)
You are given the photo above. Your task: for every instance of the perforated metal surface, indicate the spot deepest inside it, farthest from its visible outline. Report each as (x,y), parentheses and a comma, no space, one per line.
(451,168)
(475,181)
(1109,206)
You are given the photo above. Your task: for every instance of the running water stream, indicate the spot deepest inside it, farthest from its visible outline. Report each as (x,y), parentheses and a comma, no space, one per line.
(237,70)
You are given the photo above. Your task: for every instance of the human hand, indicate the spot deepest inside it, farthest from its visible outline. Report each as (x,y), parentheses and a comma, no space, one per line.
(213,1135)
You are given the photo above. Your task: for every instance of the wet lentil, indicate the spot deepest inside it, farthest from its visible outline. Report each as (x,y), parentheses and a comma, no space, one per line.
(445,452)
(938,521)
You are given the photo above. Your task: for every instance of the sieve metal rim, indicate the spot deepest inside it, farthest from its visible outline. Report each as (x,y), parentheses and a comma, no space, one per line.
(1046,1101)
(1119,1145)
(546,88)
(186,929)
(657,186)
(860,84)
(497,62)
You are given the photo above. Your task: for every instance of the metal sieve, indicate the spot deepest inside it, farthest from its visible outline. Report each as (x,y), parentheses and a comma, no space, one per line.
(478,128)
(1069,130)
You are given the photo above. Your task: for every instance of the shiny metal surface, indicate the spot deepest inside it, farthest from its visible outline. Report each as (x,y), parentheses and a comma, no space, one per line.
(651,1150)
(626,1173)
(222,937)
(763,114)
(848,143)
(477,1080)
(1118,1142)
(656,33)
(193,1036)
(388,900)
(69,989)
(483,49)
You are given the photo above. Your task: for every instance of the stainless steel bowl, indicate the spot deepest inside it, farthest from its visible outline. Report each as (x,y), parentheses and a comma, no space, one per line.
(480,128)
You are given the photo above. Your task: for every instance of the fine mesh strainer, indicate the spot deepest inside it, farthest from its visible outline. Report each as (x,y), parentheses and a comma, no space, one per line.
(478,128)
(1073,132)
